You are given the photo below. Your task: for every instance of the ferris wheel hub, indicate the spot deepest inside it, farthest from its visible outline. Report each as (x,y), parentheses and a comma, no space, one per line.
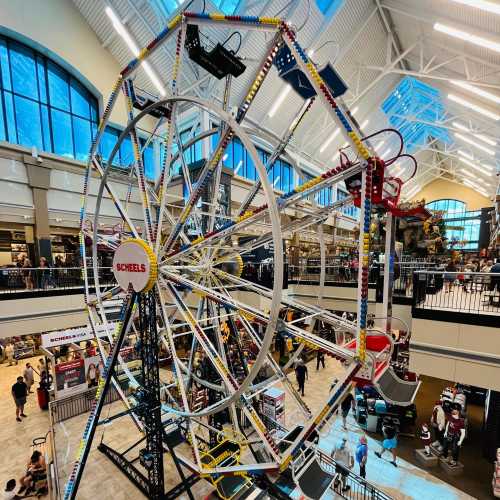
(135,264)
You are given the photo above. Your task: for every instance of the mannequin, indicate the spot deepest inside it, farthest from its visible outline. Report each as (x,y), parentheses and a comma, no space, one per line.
(425,436)
(454,435)
(438,422)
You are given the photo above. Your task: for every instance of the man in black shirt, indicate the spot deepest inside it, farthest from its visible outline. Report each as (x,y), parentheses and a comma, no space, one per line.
(345,406)
(19,393)
(301,373)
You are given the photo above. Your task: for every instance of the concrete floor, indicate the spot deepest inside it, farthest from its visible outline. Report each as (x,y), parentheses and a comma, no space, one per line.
(102,480)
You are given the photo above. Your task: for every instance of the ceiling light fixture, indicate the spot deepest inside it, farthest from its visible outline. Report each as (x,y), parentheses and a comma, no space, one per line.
(489,167)
(482,137)
(279,100)
(475,186)
(123,32)
(355,110)
(412,192)
(474,107)
(329,140)
(467,37)
(365,123)
(476,167)
(474,176)
(464,154)
(494,8)
(472,142)
(478,91)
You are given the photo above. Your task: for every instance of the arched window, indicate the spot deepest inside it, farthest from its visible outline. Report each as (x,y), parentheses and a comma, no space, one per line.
(451,208)
(43,105)
(461,225)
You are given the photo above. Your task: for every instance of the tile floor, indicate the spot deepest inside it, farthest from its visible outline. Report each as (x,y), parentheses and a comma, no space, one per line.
(102,480)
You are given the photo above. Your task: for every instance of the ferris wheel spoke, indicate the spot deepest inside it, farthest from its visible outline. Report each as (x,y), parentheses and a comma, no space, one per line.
(114,197)
(179,377)
(138,164)
(210,166)
(222,351)
(228,301)
(230,383)
(278,371)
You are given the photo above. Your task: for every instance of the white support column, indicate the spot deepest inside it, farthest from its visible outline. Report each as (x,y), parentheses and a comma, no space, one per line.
(390,241)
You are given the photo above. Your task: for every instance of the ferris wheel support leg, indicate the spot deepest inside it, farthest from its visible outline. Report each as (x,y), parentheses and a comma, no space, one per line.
(390,244)
(153,453)
(95,412)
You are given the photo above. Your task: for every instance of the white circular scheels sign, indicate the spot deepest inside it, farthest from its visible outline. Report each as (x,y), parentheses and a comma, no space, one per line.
(135,264)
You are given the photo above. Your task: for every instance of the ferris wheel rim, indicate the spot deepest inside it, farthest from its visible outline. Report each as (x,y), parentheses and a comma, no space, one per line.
(272,212)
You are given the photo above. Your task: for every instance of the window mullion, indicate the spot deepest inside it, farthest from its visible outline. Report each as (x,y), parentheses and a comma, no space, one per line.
(49,106)
(13,97)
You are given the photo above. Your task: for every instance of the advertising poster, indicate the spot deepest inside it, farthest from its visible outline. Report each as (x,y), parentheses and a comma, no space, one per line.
(93,371)
(70,378)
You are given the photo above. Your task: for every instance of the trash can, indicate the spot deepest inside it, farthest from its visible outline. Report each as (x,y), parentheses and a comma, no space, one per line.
(43,398)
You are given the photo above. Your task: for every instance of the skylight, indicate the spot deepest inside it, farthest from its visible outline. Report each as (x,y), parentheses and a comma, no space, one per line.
(415,108)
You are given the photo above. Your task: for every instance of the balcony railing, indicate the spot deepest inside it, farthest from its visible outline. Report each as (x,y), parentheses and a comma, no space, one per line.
(457,292)
(19,279)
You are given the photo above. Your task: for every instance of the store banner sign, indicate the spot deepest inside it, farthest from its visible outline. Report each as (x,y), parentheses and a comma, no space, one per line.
(70,378)
(75,335)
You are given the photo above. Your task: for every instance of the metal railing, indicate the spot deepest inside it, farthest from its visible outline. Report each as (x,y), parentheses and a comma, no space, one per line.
(359,488)
(72,406)
(462,291)
(335,273)
(17,279)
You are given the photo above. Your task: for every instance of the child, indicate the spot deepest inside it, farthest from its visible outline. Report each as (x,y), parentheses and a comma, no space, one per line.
(425,436)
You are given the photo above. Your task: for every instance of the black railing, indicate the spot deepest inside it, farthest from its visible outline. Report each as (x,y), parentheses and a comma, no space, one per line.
(78,404)
(457,292)
(21,279)
(333,272)
(358,488)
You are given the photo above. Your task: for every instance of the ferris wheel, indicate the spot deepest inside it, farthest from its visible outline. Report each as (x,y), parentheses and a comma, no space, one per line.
(177,254)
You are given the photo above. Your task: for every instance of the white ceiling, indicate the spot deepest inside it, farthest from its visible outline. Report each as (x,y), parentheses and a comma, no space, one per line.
(363,39)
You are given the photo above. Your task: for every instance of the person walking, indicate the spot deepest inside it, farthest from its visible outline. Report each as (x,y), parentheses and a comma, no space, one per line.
(362,455)
(9,353)
(345,406)
(449,276)
(390,442)
(344,462)
(27,274)
(301,375)
(29,377)
(320,358)
(19,393)
(44,273)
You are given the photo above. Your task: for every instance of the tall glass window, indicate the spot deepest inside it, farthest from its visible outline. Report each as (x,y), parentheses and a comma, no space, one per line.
(462,226)
(240,162)
(42,105)
(349,210)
